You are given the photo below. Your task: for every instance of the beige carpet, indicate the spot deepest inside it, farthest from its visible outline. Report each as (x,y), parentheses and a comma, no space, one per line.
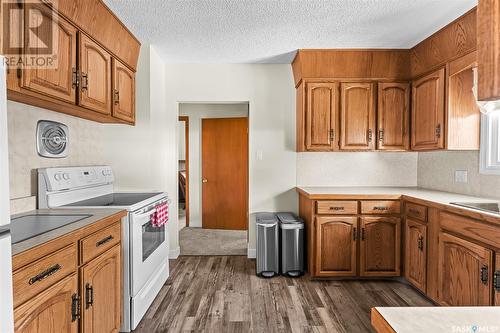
(209,242)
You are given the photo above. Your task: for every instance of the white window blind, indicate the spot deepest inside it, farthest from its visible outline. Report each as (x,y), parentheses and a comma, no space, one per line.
(490,143)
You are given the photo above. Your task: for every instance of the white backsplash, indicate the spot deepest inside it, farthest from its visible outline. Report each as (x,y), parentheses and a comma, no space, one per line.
(85,138)
(357,169)
(436,170)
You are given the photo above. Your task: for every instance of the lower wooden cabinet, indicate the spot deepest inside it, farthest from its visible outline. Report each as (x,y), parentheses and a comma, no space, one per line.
(464,273)
(496,280)
(416,254)
(380,246)
(101,287)
(50,311)
(336,246)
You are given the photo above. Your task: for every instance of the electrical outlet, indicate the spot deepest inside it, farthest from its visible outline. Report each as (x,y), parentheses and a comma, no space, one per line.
(460,176)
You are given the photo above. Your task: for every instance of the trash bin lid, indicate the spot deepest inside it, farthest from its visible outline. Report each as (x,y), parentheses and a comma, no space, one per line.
(266,218)
(289,218)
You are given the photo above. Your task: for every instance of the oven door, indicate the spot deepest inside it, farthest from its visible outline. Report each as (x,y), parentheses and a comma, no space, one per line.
(148,249)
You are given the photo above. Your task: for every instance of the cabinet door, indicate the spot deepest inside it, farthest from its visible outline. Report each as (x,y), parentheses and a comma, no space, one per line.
(95,76)
(380,246)
(101,293)
(52,82)
(123,92)
(464,273)
(416,254)
(357,116)
(393,116)
(49,311)
(336,246)
(428,112)
(322,116)
(497,280)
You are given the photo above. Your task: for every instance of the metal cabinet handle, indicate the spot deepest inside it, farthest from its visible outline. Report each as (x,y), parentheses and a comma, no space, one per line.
(381,135)
(380,208)
(420,243)
(89,295)
(117,96)
(104,241)
(75,307)
(337,208)
(363,234)
(85,81)
(370,135)
(496,281)
(74,78)
(45,274)
(438,131)
(332,135)
(484,274)
(354,234)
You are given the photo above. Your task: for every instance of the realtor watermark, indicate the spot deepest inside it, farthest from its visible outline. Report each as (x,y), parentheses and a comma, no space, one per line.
(475,329)
(30,34)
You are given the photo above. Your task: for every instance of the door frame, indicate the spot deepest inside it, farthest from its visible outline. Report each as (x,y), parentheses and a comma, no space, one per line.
(247,169)
(185,119)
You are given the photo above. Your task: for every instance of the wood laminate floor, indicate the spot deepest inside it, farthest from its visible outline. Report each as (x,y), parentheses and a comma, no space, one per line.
(222,294)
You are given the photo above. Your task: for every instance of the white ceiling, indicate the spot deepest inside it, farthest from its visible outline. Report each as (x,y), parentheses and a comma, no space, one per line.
(269,31)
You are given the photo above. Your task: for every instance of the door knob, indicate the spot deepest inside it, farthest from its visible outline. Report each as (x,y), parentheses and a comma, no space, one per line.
(204,181)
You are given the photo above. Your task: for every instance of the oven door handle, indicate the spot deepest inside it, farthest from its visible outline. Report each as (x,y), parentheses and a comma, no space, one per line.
(146,214)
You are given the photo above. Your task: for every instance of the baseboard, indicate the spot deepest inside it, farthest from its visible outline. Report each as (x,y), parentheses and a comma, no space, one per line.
(174,253)
(252,253)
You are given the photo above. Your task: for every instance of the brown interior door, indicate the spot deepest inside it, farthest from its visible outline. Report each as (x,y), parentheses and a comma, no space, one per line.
(225,173)
(95,76)
(52,82)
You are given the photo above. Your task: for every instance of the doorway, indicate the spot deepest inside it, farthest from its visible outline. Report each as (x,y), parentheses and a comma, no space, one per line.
(225,173)
(183,172)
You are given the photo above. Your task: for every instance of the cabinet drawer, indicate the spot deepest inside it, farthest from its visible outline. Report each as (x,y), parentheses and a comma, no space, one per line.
(475,230)
(95,244)
(416,211)
(380,207)
(336,207)
(43,273)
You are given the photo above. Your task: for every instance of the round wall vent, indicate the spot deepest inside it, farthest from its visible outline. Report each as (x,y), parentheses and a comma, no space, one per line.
(52,139)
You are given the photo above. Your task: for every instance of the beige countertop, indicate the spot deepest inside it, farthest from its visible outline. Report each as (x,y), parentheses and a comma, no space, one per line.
(441,319)
(95,216)
(431,196)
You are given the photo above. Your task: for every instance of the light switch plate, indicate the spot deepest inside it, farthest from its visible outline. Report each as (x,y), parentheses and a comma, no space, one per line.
(460,176)
(260,155)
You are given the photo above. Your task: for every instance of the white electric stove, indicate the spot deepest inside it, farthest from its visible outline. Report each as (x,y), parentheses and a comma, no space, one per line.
(144,247)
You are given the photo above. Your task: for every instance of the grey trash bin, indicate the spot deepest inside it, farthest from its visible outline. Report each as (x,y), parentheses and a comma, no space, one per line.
(267,244)
(292,244)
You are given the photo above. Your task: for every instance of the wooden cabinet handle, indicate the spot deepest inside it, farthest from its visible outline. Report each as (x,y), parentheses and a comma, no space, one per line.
(45,274)
(104,241)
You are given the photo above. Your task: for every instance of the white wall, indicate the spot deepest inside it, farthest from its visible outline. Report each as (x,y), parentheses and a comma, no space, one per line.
(197,112)
(357,169)
(269,89)
(436,170)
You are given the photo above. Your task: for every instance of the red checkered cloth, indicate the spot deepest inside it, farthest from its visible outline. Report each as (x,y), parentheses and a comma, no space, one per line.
(160,216)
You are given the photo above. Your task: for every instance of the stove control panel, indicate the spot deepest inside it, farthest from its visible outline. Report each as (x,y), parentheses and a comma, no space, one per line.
(68,178)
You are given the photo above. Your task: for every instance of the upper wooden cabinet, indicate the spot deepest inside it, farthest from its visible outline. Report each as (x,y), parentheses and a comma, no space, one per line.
(54,82)
(488,45)
(393,120)
(357,116)
(336,246)
(95,76)
(428,110)
(416,254)
(123,92)
(462,263)
(80,87)
(380,246)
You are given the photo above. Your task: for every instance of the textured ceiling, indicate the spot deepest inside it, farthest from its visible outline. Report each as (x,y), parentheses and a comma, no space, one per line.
(269,31)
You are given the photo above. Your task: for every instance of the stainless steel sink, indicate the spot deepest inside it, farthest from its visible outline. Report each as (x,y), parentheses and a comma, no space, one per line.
(29,226)
(491,207)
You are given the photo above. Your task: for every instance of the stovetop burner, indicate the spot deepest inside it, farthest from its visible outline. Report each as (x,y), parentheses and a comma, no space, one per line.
(114,199)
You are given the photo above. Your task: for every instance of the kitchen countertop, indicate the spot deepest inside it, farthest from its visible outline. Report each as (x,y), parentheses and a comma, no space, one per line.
(431,196)
(436,319)
(96,215)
